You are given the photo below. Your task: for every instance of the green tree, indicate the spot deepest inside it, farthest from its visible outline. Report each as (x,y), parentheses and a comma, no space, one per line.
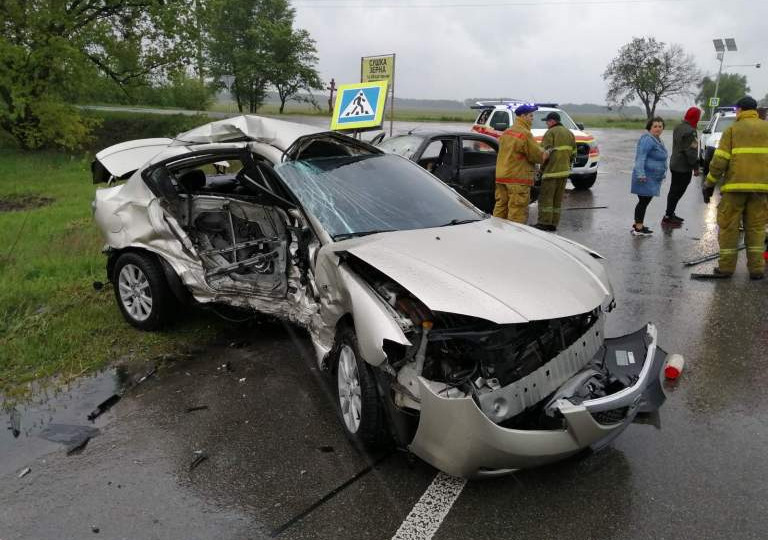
(293,64)
(650,71)
(50,50)
(255,42)
(732,88)
(238,38)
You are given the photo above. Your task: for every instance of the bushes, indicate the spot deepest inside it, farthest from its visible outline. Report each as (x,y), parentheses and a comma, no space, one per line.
(108,128)
(116,127)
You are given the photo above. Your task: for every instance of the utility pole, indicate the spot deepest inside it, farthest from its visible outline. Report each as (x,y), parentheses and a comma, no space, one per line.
(720,48)
(332,88)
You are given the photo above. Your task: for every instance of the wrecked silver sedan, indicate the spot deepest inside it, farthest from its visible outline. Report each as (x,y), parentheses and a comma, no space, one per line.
(474,342)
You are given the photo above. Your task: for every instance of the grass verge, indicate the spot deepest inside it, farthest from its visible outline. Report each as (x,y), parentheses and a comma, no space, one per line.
(52,321)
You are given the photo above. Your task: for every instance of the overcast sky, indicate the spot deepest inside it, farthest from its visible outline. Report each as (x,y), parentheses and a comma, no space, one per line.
(547,50)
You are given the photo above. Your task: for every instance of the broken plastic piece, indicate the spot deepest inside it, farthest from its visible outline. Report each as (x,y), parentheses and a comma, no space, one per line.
(674,366)
(25,472)
(705,258)
(74,437)
(14,423)
(197,408)
(585,208)
(104,406)
(201,456)
(147,375)
(710,276)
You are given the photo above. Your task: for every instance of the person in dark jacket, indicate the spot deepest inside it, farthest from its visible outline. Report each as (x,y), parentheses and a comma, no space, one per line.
(683,163)
(649,172)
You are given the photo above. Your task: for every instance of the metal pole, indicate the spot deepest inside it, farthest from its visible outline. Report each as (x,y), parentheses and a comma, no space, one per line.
(717,83)
(392,103)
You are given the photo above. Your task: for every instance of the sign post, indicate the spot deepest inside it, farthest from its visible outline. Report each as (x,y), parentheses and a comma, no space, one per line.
(381,68)
(359,106)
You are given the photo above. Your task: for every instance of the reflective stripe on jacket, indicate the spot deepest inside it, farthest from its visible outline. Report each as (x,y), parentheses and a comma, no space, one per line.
(518,153)
(562,146)
(741,158)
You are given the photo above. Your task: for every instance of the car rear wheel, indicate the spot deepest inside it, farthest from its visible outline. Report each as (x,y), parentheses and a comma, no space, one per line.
(357,399)
(584,181)
(141,291)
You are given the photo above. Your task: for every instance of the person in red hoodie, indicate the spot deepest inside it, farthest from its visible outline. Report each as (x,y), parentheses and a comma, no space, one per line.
(683,162)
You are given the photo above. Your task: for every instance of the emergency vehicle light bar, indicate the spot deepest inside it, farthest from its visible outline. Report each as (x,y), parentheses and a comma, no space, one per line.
(494,103)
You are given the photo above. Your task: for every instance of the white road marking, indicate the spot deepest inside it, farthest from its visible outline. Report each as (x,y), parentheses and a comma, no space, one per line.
(430,510)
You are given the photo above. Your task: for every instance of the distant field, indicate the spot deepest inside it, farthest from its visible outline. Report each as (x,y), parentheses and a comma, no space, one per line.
(412,115)
(604,121)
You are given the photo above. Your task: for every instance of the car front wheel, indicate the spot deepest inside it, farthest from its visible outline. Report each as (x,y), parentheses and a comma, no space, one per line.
(141,291)
(584,181)
(357,399)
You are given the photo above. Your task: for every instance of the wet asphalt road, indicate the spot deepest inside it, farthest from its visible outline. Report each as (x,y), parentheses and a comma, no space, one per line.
(276,455)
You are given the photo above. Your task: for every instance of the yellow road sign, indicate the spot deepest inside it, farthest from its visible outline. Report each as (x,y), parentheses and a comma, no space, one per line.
(377,68)
(359,106)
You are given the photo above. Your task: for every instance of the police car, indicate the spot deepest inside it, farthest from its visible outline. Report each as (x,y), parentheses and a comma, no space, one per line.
(496,116)
(710,138)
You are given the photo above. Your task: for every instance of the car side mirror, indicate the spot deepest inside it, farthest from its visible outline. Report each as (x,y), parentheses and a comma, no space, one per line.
(580,126)
(500,126)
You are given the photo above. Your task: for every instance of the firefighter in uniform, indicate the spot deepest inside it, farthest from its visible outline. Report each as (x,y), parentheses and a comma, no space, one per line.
(741,162)
(561,145)
(515,166)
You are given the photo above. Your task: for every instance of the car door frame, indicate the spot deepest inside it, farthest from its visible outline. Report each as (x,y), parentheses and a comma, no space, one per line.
(179,204)
(477,183)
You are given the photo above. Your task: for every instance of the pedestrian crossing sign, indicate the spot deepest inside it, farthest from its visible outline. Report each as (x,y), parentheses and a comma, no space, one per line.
(359,105)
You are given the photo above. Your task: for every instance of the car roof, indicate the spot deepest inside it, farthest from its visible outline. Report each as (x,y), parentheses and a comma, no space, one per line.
(446,133)
(540,108)
(442,133)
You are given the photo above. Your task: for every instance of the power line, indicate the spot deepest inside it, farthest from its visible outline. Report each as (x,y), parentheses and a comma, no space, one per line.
(335,4)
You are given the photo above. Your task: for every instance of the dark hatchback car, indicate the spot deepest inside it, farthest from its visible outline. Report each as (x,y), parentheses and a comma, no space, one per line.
(463,160)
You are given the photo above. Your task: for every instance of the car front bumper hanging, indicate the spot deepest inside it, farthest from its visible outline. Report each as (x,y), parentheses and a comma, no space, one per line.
(456,436)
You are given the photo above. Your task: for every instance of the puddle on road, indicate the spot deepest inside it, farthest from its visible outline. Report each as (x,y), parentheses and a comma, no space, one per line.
(57,418)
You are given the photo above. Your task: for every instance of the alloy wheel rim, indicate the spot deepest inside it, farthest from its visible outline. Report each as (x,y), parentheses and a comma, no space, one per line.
(350,397)
(135,292)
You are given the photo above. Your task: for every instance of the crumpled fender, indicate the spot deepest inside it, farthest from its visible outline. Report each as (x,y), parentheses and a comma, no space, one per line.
(372,317)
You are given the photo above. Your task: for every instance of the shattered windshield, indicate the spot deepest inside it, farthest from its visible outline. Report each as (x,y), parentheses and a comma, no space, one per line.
(358,195)
(405,145)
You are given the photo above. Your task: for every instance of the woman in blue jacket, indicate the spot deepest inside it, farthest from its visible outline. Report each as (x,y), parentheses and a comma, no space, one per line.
(649,172)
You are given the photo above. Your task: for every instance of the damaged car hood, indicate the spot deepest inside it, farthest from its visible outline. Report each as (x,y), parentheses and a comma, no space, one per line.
(491,269)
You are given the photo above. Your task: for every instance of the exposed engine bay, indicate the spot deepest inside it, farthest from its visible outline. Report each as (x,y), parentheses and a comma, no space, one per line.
(514,372)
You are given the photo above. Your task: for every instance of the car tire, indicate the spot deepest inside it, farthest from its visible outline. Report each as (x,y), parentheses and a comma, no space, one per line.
(357,398)
(584,181)
(141,291)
